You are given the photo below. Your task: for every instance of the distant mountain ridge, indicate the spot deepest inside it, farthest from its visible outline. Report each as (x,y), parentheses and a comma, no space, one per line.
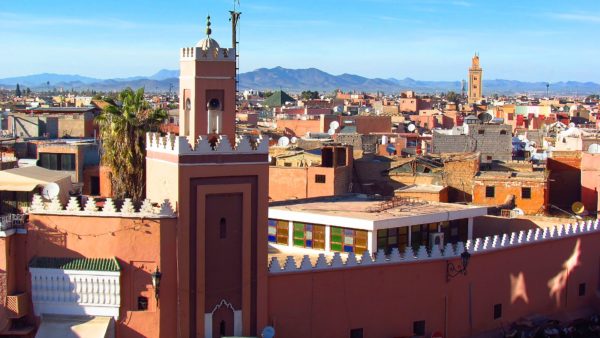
(296,80)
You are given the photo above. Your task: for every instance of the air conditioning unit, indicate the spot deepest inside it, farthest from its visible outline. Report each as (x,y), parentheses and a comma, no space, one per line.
(436,238)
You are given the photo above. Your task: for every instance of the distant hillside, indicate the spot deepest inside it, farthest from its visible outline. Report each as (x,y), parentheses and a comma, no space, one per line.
(40,80)
(296,80)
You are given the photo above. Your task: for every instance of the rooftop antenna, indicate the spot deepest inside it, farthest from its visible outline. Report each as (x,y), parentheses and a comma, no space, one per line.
(235,17)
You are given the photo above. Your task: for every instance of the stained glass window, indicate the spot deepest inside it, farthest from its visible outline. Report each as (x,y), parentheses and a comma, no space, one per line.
(348,240)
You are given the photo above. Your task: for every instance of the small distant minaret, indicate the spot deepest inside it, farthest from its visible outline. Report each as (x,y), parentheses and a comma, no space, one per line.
(475,81)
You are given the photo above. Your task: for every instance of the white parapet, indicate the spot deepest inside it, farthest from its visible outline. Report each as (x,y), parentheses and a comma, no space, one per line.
(181,145)
(476,247)
(197,53)
(147,210)
(73,292)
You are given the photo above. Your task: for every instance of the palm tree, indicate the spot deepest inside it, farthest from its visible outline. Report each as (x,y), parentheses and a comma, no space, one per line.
(123,131)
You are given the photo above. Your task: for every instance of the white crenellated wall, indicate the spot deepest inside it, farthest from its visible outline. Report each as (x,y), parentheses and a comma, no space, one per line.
(147,210)
(180,145)
(73,292)
(197,53)
(477,246)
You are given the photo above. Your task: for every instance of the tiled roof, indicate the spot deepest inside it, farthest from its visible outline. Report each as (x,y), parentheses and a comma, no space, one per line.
(278,99)
(81,264)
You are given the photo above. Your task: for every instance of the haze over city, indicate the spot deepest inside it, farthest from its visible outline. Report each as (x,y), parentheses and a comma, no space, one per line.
(425,39)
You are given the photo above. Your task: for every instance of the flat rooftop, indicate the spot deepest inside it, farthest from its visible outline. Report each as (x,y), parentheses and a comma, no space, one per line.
(362,212)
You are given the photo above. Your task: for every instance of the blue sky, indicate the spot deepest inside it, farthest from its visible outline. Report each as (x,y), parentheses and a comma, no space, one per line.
(530,40)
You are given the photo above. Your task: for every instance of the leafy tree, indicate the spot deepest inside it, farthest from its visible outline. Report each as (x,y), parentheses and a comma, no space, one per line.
(18,91)
(309,95)
(123,133)
(27,91)
(452,97)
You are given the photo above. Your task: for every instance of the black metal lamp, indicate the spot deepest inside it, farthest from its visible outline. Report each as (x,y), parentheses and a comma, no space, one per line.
(156,276)
(453,271)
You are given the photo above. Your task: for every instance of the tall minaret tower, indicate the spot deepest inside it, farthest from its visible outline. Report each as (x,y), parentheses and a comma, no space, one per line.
(475,80)
(219,182)
(207,89)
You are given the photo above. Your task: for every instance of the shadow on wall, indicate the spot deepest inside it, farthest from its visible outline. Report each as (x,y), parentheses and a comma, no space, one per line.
(589,197)
(138,307)
(492,225)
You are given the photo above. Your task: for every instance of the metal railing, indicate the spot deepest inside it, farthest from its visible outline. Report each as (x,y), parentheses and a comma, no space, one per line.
(12,221)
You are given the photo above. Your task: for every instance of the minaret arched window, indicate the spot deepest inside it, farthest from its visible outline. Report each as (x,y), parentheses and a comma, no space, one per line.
(222,328)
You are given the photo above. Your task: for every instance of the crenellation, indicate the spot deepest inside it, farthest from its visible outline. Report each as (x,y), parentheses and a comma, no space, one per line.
(479,246)
(196,53)
(351,260)
(409,253)
(366,258)
(180,145)
(54,207)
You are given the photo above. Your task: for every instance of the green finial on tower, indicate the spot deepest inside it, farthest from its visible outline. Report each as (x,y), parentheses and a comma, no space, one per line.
(208,30)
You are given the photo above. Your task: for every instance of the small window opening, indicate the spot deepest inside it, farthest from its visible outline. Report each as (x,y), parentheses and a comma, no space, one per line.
(223,228)
(526,193)
(582,289)
(490,192)
(419,328)
(142,303)
(497,311)
(356,333)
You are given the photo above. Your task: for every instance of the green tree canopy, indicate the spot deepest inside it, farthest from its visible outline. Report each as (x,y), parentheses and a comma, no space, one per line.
(309,95)
(452,97)
(123,131)
(18,91)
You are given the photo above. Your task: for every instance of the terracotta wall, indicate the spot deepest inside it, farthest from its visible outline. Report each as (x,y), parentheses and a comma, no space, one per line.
(296,183)
(385,300)
(299,128)
(590,181)
(105,182)
(459,177)
(88,173)
(127,239)
(441,196)
(565,178)
(538,203)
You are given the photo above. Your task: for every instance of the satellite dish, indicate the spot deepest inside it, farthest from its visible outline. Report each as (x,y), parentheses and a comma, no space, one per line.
(411,128)
(578,208)
(331,131)
(50,191)
(283,141)
(294,139)
(485,117)
(519,211)
(594,148)
(268,332)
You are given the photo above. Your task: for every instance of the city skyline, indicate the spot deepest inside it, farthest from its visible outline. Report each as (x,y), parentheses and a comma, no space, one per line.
(425,40)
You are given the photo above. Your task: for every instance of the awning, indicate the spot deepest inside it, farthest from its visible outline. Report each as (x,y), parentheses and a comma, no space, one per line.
(76,326)
(18,186)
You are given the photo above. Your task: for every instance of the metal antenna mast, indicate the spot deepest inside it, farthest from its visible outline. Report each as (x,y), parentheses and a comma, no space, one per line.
(235,17)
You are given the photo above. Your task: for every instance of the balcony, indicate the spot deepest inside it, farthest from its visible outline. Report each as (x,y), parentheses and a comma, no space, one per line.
(12,223)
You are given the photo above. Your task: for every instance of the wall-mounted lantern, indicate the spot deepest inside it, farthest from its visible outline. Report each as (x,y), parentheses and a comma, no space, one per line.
(453,271)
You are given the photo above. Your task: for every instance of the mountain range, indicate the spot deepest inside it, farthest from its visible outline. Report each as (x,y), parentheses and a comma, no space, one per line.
(296,80)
